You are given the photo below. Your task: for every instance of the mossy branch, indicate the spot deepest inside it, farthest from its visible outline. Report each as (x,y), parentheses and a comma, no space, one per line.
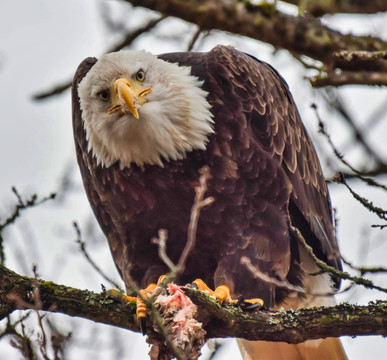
(17,292)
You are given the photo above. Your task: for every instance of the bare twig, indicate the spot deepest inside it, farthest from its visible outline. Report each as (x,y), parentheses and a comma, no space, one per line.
(194,39)
(381,213)
(22,342)
(380,226)
(326,268)
(161,242)
(199,204)
(82,247)
(358,173)
(285,284)
(58,340)
(126,41)
(42,337)
(20,206)
(363,270)
(268,279)
(133,35)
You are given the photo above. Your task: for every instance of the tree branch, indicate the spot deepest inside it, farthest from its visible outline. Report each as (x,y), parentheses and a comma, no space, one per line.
(321,7)
(219,321)
(293,326)
(265,23)
(340,78)
(375,61)
(17,290)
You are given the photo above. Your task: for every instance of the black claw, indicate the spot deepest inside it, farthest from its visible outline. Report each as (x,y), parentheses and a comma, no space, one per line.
(143,325)
(246,306)
(194,286)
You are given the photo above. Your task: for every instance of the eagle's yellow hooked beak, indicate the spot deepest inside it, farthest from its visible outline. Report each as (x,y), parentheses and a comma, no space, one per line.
(128,96)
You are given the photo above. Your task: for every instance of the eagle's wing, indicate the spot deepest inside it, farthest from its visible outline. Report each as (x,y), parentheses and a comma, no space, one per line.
(277,125)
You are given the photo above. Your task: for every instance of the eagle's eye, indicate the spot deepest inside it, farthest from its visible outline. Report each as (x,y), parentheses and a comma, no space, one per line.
(104,95)
(140,76)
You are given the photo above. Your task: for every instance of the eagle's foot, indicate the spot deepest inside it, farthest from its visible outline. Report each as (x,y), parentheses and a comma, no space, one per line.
(222,294)
(140,304)
(120,296)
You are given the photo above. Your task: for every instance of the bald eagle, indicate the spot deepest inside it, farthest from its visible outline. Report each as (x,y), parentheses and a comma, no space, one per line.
(143,127)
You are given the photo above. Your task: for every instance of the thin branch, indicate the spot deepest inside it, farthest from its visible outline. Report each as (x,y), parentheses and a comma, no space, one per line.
(330,269)
(20,206)
(82,247)
(380,169)
(373,119)
(133,35)
(380,226)
(381,213)
(363,270)
(335,101)
(256,273)
(194,39)
(358,174)
(199,204)
(126,41)
(21,341)
(161,242)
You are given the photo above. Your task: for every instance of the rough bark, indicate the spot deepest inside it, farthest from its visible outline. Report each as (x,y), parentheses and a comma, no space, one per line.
(298,34)
(321,7)
(19,292)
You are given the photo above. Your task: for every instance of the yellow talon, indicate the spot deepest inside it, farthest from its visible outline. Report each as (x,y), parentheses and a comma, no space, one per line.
(120,296)
(161,279)
(141,307)
(255,301)
(201,285)
(222,293)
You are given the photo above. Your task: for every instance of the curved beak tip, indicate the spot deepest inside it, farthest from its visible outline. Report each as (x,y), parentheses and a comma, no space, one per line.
(128,98)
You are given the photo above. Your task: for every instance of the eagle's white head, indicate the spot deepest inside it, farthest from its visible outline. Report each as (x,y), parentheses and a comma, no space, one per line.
(143,110)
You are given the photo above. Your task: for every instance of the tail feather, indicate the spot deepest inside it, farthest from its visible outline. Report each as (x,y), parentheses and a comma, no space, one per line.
(329,348)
